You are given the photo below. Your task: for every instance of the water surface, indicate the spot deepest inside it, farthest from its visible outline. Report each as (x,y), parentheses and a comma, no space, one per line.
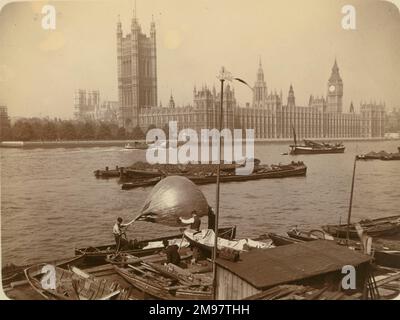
(51,201)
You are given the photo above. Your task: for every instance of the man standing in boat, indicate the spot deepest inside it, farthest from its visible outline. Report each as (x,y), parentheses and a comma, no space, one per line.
(211,218)
(194,221)
(118,232)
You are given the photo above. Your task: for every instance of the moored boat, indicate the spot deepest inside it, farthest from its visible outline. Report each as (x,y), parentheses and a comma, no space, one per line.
(129,173)
(382,155)
(204,240)
(169,282)
(380,227)
(72,284)
(294,169)
(98,255)
(107,173)
(381,251)
(280,240)
(312,147)
(303,235)
(140,183)
(11,273)
(388,258)
(136,145)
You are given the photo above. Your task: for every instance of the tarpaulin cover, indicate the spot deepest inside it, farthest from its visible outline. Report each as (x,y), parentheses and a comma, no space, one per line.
(172,198)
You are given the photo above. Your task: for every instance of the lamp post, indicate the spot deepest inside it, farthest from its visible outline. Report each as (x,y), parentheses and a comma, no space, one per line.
(351,202)
(223,76)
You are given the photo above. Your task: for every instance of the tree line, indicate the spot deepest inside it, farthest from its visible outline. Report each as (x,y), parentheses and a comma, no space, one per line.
(39,129)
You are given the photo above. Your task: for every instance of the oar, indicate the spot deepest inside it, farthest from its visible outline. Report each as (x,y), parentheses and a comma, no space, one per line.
(180,245)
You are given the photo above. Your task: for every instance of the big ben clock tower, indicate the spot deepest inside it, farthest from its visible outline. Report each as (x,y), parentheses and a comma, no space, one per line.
(334,100)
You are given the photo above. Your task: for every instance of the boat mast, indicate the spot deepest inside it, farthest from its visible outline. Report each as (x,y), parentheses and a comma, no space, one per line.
(351,201)
(222,77)
(294,135)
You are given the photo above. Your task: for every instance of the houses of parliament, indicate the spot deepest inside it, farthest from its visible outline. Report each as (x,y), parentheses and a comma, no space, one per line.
(269,115)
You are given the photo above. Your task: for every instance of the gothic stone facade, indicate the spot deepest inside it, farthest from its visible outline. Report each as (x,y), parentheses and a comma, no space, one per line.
(89,107)
(137,73)
(270,118)
(268,115)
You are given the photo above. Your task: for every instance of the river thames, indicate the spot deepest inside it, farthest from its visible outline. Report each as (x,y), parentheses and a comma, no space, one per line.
(51,202)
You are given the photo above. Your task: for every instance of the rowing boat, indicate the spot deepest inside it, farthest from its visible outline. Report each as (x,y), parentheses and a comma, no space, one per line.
(279,240)
(11,272)
(204,240)
(73,284)
(375,228)
(382,253)
(309,235)
(169,282)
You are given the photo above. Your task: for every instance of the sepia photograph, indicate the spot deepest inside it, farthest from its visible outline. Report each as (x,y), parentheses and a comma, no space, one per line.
(200,151)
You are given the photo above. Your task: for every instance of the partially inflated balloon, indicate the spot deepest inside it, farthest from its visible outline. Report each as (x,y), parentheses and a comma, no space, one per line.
(173,198)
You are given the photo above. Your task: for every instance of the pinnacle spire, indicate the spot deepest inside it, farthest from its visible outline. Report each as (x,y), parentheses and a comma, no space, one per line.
(119,25)
(335,66)
(134,20)
(260,72)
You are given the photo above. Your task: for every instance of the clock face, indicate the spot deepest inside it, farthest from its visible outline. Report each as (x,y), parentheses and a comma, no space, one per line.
(332,88)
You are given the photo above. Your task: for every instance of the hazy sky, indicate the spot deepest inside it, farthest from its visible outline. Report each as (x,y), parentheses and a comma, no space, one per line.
(297,41)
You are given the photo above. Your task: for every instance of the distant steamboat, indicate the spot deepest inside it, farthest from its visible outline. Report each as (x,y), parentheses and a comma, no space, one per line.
(312,147)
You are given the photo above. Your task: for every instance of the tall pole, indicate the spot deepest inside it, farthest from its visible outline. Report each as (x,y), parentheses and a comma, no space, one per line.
(351,201)
(217,191)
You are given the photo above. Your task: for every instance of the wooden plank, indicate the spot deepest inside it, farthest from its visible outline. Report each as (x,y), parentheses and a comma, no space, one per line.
(109,296)
(80,272)
(137,269)
(388,279)
(18,283)
(99,268)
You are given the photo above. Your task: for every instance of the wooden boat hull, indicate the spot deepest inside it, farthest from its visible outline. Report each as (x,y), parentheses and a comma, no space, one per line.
(140,184)
(390,259)
(158,291)
(98,255)
(273,174)
(203,240)
(381,227)
(308,235)
(17,273)
(379,156)
(279,240)
(106,173)
(228,233)
(135,174)
(70,285)
(385,258)
(308,150)
(288,171)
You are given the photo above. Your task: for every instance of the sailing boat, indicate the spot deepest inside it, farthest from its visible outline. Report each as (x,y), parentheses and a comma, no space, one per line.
(312,147)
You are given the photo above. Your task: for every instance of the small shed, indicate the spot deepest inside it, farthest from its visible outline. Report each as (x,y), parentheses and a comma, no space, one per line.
(300,263)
